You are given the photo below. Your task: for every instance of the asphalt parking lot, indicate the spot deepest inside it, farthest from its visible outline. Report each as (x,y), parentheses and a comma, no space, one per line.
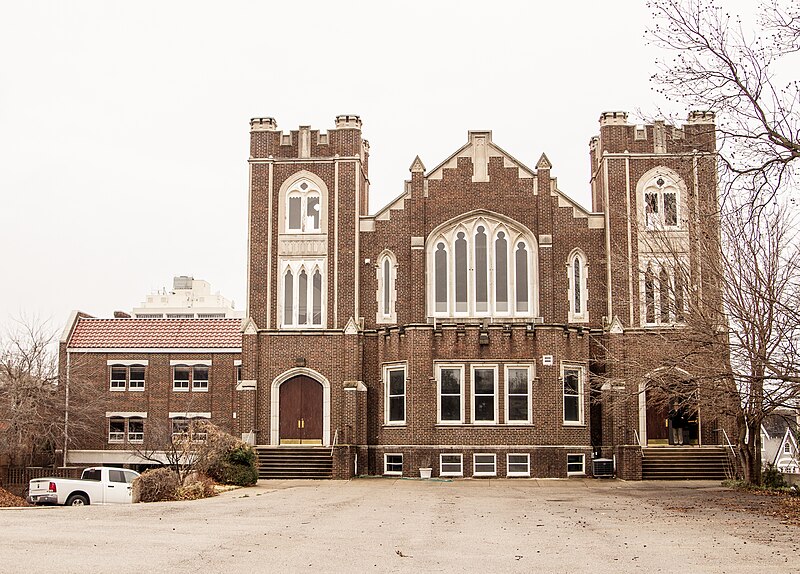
(387,525)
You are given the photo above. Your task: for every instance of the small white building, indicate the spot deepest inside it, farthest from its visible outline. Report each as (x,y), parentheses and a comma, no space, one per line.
(189,298)
(779,442)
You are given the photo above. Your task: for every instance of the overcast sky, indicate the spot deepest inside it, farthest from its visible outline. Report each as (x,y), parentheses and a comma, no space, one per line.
(124,125)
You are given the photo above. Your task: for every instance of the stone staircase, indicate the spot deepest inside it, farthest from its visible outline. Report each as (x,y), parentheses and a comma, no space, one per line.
(284,462)
(685,463)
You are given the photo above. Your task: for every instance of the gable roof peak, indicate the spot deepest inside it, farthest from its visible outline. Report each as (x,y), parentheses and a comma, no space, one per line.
(417,166)
(544,163)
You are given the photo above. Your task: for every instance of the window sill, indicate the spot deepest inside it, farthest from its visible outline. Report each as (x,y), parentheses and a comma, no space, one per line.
(136,389)
(401,425)
(200,389)
(393,473)
(117,389)
(574,424)
(181,390)
(576,474)
(518,475)
(452,474)
(484,474)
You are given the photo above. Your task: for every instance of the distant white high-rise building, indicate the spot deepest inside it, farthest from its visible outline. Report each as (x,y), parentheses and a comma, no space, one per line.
(189,298)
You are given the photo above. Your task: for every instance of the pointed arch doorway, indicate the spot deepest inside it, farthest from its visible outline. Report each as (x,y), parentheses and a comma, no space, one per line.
(668,409)
(300,409)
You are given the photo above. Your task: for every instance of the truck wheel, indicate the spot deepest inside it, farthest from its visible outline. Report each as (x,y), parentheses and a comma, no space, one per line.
(77,500)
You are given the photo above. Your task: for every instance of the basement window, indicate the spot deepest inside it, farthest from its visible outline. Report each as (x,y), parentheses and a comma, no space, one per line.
(393,464)
(575,464)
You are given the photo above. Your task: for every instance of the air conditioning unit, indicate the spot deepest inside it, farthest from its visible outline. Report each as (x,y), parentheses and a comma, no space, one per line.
(603,468)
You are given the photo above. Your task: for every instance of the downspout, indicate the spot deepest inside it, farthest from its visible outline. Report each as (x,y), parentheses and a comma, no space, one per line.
(66,412)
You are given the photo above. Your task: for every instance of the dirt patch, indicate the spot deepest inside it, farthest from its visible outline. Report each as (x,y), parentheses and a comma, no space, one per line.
(8,499)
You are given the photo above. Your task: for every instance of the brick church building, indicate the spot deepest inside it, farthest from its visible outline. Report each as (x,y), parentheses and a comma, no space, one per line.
(465,327)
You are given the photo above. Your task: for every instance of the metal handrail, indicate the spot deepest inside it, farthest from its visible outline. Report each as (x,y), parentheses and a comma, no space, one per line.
(636,436)
(730,445)
(335,440)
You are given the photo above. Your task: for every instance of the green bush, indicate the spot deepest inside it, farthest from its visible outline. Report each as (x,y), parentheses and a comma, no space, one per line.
(156,485)
(772,478)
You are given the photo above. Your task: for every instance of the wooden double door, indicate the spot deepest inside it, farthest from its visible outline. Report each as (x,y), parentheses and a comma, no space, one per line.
(300,411)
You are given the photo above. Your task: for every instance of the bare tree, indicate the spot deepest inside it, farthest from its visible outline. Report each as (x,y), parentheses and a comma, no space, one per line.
(32,398)
(720,65)
(31,408)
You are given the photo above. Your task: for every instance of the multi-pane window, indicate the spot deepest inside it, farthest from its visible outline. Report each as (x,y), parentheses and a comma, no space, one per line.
(660,203)
(303,208)
(181,374)
(451,465)
(484,394)
(116,430)
(123,376)
(518,464)
(393,464)
(395,378)
(572,378)
(484,465)
(518,394)
(482,267)
(188,428)
(302,293)
(136,430)
(119,376)
(190,377)
(663,293)
(451,406)
(576,464)
(136,380)
(200,378)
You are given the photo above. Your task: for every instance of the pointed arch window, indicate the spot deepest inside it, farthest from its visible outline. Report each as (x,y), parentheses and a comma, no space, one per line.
(387,290)
(663,293)
(303,208)
(482,267)
(302,293)
(577,276)
(660,202)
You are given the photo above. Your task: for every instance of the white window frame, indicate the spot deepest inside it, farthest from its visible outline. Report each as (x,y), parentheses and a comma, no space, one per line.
(296,265)
(512,473)
(487,367)
(475,464)
(460,456)
(138,388)
(583,316)
(582,456)
(383,315)
(386,470)
(387,369)
(182,389)
(295,190)
(116,437)
(134,437)
(439,368)
(514,234)
(117,387)
(507,415)
(656,267)
(201,385)
(581,392)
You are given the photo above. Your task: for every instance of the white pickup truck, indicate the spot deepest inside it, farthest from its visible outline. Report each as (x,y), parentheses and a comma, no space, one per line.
(98,485)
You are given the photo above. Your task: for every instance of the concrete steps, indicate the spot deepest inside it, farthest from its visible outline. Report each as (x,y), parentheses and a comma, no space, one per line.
(294,462)
(685,463)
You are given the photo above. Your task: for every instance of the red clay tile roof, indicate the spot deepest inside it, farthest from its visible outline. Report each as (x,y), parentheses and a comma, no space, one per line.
(157,334)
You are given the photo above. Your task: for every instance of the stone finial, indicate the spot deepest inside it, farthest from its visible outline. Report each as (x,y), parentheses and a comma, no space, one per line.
(613,118)
(263,124)
(417,166)
(348,121)
(544,163)
(701,117)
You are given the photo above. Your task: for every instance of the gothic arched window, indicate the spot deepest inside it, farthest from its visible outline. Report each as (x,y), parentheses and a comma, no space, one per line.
(479,265)
(303,296)
(577,276)
(303,208)
(387,290)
